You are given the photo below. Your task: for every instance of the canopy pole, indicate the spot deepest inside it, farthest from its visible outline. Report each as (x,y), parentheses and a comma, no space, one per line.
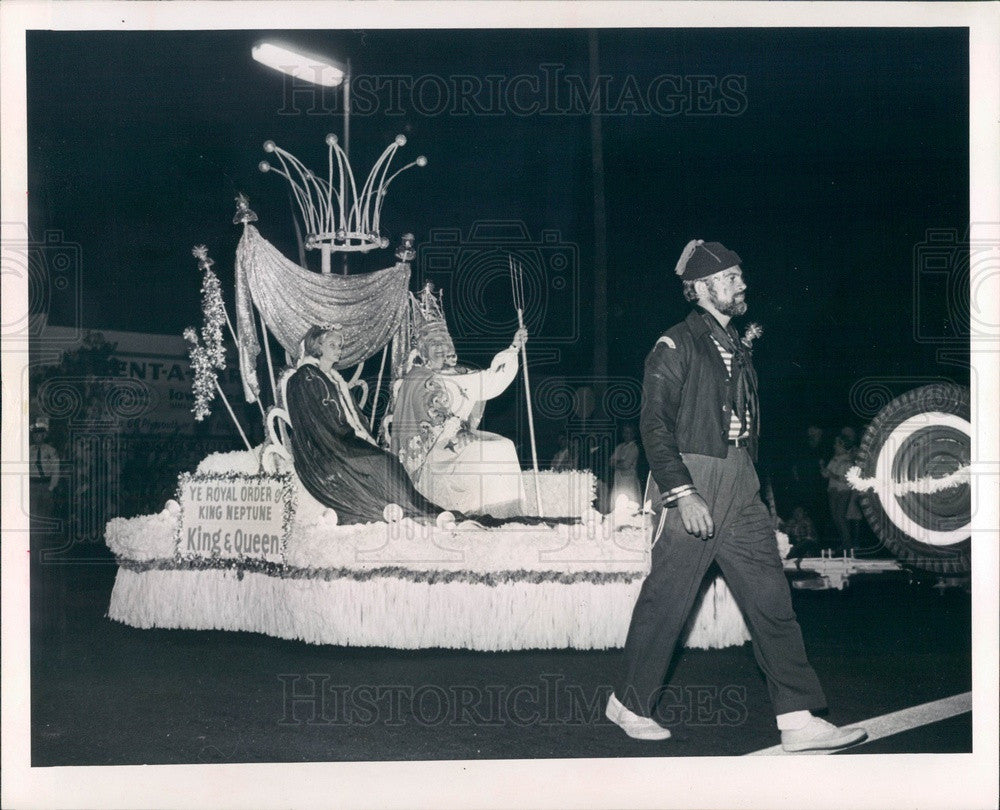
(274,387)
(232,334)
(298,232)
(378,388)
(270,365)
(229,408)
(517,289)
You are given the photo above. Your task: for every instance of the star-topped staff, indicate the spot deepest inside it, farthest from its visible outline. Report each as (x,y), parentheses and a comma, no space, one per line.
(243,213)
(214,308)
(200,252)
(517,290)
(207,352)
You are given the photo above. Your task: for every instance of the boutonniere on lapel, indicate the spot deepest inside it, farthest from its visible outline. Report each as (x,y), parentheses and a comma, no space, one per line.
(754,331)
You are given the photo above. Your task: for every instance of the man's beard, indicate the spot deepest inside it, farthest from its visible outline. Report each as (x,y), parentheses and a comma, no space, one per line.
(734,307)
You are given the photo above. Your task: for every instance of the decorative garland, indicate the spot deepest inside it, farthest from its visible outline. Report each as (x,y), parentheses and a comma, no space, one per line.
(430,577)
(927,485)
(203,384)
(208,355)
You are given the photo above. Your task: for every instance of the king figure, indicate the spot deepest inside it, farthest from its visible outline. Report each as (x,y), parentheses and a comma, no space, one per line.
(435,425)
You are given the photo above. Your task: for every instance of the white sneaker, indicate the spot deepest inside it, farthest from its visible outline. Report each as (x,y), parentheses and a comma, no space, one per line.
(636,726)
(819,735)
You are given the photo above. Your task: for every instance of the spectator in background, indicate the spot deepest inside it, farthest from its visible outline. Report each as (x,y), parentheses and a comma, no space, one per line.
(808,484)
(802,535)
(839,492)
(849,435)
(562,460)
(623,462)
(44,472)
(854,516)
(591,442)
(855,519)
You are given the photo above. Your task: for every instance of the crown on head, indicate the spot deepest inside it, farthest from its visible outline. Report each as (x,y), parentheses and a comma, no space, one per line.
(337,213)
(427,311)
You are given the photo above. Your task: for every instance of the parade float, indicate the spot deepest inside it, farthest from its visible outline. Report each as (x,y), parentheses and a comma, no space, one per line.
(913,476)
(243,545)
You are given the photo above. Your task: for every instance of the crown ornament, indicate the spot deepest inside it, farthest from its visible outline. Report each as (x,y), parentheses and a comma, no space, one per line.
(334,211)
(427,313)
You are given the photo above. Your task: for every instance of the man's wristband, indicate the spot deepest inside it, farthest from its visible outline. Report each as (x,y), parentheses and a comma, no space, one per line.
(671,496)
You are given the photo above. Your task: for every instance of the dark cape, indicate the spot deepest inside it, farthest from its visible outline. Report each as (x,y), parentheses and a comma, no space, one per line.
(338,467)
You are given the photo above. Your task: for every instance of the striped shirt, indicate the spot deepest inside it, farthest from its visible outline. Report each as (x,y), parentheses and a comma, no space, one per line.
(671,497)
(735,427)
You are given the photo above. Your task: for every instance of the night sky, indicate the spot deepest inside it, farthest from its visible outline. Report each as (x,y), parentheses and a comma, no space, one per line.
(822,157)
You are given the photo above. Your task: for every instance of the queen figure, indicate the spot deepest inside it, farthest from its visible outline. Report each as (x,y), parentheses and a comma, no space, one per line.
(435,425)
(336,458)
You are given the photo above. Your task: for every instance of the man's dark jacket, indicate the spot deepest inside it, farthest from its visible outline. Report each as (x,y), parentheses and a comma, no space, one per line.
(686,402)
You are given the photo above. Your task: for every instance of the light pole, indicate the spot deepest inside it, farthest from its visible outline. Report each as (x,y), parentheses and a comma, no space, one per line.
(600,223)
(315,69)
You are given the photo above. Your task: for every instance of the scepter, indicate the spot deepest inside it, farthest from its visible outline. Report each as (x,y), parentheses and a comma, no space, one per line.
(517,288)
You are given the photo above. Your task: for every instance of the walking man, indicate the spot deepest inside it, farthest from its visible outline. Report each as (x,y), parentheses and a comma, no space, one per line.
(699,426)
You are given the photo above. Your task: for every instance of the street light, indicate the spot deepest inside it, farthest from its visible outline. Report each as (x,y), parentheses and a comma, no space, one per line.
(309,67)
(316,69)
(299,64)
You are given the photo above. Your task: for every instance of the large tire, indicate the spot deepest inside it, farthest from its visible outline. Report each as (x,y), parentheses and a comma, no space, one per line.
(922,432)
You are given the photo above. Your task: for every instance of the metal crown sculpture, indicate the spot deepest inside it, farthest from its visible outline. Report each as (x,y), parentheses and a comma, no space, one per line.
(339,215)
(427,314)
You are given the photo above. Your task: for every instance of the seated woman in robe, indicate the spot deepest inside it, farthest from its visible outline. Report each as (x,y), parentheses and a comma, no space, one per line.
(336,458)
(435,423)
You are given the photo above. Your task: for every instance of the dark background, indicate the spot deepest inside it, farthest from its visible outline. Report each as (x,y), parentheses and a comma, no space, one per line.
(853,144)
(849,147)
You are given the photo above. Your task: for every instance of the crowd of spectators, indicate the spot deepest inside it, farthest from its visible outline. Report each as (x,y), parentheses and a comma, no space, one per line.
(79,482)
(821,509)
(806,486)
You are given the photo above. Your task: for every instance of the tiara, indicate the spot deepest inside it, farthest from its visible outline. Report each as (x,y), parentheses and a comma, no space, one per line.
(338,214)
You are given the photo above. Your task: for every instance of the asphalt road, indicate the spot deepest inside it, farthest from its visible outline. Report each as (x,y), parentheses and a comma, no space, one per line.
(107,694)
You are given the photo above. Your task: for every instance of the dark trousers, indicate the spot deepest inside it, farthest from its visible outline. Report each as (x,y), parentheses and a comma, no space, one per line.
(745,548)
(840,502)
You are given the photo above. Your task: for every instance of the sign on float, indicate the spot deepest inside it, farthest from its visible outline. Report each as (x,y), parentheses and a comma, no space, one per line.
(234,517)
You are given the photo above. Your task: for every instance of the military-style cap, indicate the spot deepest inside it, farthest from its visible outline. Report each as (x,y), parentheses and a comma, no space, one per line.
(701,259)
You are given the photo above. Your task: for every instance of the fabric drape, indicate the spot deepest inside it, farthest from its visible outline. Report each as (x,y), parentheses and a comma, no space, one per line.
(371,307)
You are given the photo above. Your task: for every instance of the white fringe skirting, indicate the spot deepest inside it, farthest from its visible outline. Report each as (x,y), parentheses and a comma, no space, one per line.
(403,614)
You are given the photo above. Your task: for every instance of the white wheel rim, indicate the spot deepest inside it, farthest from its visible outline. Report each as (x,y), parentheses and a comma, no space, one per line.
(883,472)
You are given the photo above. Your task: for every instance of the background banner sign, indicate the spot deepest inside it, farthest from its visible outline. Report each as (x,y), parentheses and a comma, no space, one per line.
(160,365)
(234,517)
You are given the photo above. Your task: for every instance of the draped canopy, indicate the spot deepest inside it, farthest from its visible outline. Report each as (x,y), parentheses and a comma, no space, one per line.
(371,307)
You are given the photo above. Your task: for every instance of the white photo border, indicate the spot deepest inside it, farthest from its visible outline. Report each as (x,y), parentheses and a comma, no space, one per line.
(817,782)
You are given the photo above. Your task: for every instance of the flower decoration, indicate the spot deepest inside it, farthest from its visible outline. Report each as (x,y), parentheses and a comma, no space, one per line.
(200,252)
(491,579)
(754,331)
